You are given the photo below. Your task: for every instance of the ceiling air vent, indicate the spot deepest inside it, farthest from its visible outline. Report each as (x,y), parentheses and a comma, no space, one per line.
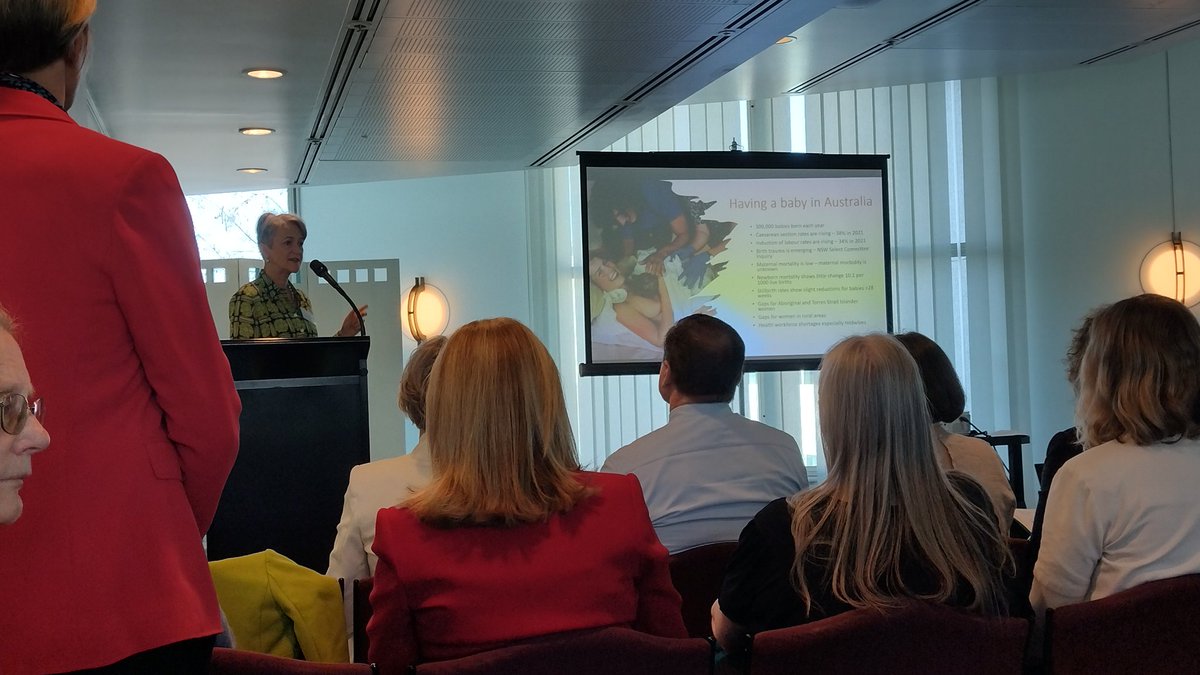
(747,18)
(349,51)
(1121,50)
(906,34)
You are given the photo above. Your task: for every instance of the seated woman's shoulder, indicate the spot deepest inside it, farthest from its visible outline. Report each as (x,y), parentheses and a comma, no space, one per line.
(618,482)
(969,488)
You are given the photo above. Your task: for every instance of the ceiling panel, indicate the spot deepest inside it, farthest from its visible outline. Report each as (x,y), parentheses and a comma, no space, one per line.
(381,89)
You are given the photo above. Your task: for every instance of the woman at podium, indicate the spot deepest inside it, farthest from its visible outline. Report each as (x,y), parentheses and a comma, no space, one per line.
(270,306)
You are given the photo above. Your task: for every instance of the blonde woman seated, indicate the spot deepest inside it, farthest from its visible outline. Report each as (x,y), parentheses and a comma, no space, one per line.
(1126,510)
(511,540)
(886,527)
(972,456)
(385,483)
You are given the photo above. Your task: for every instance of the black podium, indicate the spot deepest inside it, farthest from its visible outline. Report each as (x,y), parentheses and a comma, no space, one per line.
(303,426)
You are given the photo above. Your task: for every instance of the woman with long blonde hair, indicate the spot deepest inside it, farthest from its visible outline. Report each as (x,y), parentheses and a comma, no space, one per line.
(1125,511)
(888,526)
(511,540)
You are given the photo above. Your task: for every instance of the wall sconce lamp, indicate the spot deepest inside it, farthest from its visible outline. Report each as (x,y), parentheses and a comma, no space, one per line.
(1165,270)
(427,312)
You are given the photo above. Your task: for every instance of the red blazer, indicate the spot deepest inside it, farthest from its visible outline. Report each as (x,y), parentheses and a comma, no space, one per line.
(444,593)
(98,265)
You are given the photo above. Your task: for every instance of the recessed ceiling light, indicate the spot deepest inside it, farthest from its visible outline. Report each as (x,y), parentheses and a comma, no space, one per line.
(785,39)
(252,169)
(256,131)
(263,73)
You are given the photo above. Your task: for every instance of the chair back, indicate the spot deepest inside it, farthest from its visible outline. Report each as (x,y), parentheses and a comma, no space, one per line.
(919,638)
(239,662)
(600,652)
(362,614)
(697,574)
(1145,629)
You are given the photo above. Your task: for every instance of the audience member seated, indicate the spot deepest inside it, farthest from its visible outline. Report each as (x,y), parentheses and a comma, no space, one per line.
(1125,511)
(972,456)
(887,526)
(276,606)
(20,420)
(709,470)
(1065,444)
(385,483)
(510,541)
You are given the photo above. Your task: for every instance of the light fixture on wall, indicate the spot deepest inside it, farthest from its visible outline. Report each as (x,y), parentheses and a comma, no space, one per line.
(1164,269)
(1172,268)
(426,311)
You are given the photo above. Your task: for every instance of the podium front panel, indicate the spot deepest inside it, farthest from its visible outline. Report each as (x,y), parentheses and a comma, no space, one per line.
(303,427)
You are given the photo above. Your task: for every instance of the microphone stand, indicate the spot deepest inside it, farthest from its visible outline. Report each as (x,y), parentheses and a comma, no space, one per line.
(322,271)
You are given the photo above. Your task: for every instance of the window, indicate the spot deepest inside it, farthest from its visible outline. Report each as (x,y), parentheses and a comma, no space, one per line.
(225,222)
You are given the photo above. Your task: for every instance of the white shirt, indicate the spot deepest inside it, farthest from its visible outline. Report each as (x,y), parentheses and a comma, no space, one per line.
(1119,515)
(708,472)
(373,486)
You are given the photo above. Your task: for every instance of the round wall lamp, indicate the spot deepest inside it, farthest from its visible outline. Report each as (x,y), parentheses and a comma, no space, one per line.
(1172,268)
(426,311)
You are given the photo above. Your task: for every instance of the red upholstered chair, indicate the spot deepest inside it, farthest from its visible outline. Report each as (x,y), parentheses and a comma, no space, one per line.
(361,594)
(1147,629)
(921,638)
(603,652)
(697,574)
(238,662)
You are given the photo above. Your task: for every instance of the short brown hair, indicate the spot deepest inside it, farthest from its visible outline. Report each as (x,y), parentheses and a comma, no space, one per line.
(1079,343)
(498,432)
(943,389)
(1140,378)
(414,381)
(706,357)
(36,33)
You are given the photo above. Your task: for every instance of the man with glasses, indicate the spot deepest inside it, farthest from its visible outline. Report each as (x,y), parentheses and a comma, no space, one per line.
(20,422)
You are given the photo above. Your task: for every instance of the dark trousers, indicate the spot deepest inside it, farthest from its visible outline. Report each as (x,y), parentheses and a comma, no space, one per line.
(189,657)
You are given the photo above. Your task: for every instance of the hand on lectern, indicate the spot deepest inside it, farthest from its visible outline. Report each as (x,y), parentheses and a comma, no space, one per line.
(350,323)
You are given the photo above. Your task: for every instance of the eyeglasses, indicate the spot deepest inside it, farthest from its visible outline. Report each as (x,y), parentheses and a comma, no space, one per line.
(15,410)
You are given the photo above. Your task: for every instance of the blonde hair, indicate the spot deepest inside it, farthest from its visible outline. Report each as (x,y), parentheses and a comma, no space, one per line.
(498,431)
(886,498)
(414,381)
(36,33)
(1140,376)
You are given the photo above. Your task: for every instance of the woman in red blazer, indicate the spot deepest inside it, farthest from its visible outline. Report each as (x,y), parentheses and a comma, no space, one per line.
(511,540)
(99,262)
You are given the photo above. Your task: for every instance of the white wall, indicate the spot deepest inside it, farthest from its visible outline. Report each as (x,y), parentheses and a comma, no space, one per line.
(467,235)
(1089,154)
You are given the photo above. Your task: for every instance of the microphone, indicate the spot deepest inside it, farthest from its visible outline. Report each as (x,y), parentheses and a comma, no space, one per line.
(322,271)
(975,431)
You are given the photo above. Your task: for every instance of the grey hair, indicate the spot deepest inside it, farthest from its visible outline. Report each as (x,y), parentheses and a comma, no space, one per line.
(269,223)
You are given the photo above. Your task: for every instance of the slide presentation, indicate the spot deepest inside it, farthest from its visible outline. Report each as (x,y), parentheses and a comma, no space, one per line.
(795,258)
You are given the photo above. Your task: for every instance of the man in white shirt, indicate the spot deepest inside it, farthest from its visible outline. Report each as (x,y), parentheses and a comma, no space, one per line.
(709,470)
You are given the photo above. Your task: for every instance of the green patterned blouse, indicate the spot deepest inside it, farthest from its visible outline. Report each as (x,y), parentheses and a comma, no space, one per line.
(261,310)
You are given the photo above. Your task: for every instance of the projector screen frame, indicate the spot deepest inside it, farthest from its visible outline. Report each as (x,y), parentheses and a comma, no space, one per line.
(726,160)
